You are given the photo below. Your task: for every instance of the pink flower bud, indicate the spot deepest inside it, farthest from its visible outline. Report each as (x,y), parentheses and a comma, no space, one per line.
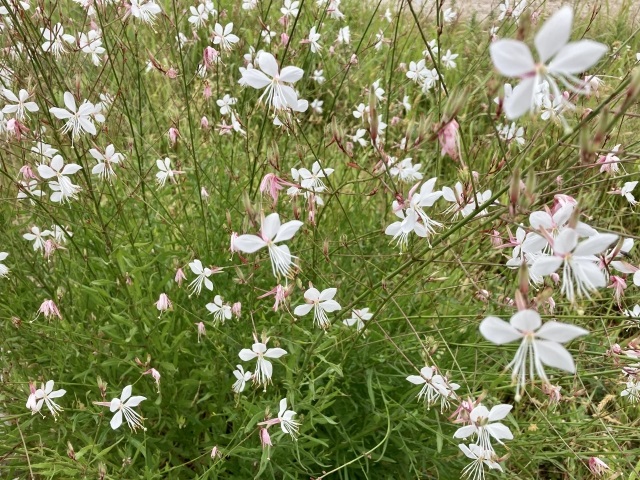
(448,137)
(204,123)
(173,136)
(207,90)
(354,59)
(236,309)
(597,466)
(27,173)
(265,438)
(555,277)
(163,303)
(284,38)
(232,247)
(272,184)
(155,374)
(204,194)
(201,330)
(49,309)
(215,452)
(210,56)
(172,73)
(180,277)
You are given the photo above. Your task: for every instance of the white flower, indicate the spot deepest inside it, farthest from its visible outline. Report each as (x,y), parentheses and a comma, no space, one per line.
(512,132)
(220,310)
(312,180)
(626,190)
(317,76)
(63,188)
(78,119)
(37,237)
(4,270)
(271,233)
(123,406)
(344,35)
(559,59)
(449,15)
(144,10)
(226,104)
(316,106)
(165,171)
(224,37)
(242,378)
(106,160)
(434,387)
(91,44)
(541,345)
(579,262)
(55,40)
(287,423)
(199,16)
(632,392)
(358,317)
(313,40)
(484,425)
(417,71)
(30,189)
(406,171)
(401,229)
(290,8)
(19,105)
(633,313)
(448,59)
(278,94)
(480,457)
(44,395)
(321,303)
(264,368)
(203,274)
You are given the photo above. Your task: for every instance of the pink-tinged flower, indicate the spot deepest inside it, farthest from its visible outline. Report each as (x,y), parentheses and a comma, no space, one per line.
(485,425)
(597,466)
(581,273)
(79,119)
(44,395)
(155,374)
(265,438)
(553,392)
(618,285)
(180,277)
(63,188)
(321,303)
(236,309)
(163,304)
(280,293)
(204,123)
(278,93)
(272,184)
(27,173)
(271,233)
(49,310)
(201,330)
(173,135)
(166,172)
(448,138)
(610,162)
(123,407)
(264,368)
(540,344)
(215,453)
(632,391)
(559,60)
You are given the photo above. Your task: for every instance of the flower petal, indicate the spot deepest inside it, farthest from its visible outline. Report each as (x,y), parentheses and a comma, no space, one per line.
(249,243)
(577,57)
(596,244)
(526,320)
(270,226)
(560,332)
(287,230)
(521,99)
(275,352)
(116,421)
(302,310)
(498,412)
(554,34)
(511,58)
(268,64)
(554,355)
(246,354)
(498,331)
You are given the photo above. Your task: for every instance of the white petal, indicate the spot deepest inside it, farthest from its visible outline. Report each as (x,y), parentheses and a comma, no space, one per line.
(416,379)
(126,393)
(521,99)
(596,244)
(545,265)
(270,226)
(135,401)
(499,412)
(249,243)
(512,58)
(499,431)
(312,294)
(291,74)
(554,355)
(328,294)
(554,34)
(275,352)
(577,57)
(116,421)
(526,320)
(287,231)
(302,310)
(498,331)
(464,432)
(330,306)
(255,78)
(560,332)
(268,64)
(246,354)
